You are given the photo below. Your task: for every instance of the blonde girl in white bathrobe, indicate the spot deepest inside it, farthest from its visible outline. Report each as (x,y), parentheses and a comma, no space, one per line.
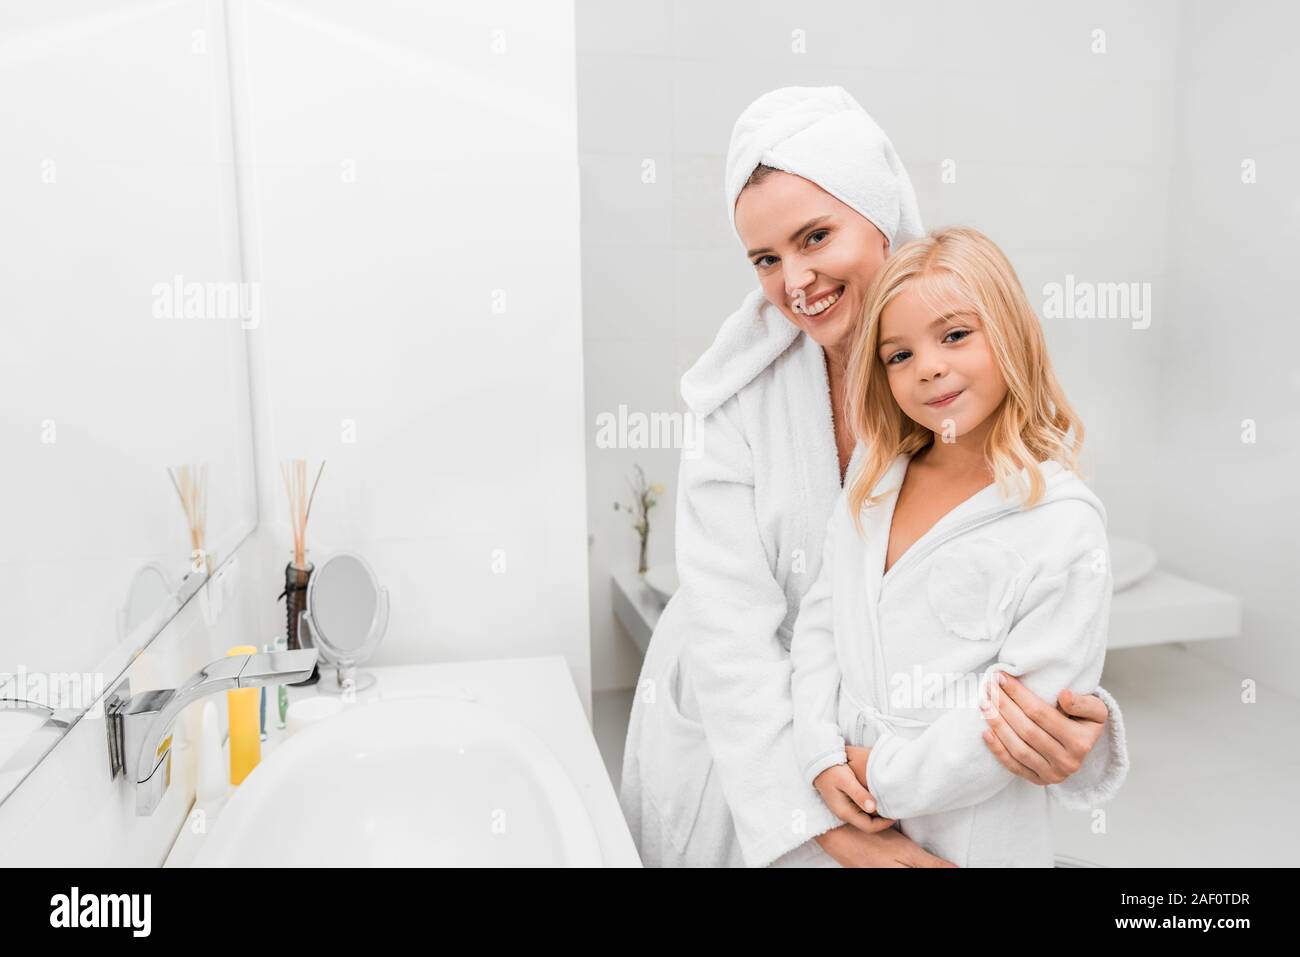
(818,198)
(964,547)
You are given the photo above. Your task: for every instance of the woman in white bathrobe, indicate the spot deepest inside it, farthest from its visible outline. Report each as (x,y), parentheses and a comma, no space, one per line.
(709,775)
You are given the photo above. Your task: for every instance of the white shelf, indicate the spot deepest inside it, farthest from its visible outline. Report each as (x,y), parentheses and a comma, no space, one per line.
(637,607)
(1165,607)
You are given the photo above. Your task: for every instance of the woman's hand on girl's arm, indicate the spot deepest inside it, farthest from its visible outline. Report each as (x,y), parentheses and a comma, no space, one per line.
(888,848)
(1038,742)
(848,799)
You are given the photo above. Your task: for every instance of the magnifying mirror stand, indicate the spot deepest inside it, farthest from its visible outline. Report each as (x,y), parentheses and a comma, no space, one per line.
(347,679)
(346,615)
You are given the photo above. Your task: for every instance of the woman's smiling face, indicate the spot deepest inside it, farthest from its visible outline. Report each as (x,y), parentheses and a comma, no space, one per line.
(814,255)
(941,371)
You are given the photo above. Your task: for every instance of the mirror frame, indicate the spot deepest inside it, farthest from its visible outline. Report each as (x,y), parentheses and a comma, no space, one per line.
(378,621)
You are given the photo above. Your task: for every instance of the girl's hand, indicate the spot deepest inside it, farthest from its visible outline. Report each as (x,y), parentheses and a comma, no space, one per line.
(848,799)
(1042,744)
(858,758)
(889,848)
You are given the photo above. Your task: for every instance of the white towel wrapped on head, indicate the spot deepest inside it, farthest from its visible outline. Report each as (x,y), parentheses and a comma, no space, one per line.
(823,135)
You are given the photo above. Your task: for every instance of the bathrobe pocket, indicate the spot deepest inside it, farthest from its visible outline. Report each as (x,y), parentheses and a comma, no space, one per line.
(677,764)
(975,586)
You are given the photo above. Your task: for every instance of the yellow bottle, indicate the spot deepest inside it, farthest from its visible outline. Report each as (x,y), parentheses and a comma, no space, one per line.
(245,727)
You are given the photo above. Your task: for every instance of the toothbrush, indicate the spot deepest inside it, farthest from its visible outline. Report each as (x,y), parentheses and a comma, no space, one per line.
(282,694)
(261,703)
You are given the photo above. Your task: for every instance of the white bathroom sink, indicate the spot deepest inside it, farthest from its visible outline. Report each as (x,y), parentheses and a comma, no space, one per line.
(412,781)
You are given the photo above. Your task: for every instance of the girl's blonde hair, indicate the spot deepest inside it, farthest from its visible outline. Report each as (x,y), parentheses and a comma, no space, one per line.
(1033,423)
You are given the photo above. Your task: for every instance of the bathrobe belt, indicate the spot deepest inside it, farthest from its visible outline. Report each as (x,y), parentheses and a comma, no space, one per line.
(882,721)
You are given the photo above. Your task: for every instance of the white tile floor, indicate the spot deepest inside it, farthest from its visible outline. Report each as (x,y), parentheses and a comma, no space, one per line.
(1213,781)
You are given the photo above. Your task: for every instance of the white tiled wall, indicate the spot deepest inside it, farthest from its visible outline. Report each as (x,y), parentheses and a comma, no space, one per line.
(1228,511)
(411,208)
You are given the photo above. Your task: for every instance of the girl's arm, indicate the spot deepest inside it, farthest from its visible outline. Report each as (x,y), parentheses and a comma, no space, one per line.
(818,741)
(1058,641)
(738,666)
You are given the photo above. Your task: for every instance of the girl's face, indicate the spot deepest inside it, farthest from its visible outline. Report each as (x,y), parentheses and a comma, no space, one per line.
(814,255)
(937,358)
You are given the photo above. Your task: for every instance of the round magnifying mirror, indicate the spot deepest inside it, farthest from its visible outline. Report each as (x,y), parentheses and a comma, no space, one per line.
(346,614)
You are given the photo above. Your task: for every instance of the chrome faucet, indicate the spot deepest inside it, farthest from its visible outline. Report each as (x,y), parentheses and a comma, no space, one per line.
(140,726)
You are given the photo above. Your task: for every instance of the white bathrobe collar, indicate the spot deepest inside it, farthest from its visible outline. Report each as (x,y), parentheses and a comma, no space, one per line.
(984,506)
(749,341)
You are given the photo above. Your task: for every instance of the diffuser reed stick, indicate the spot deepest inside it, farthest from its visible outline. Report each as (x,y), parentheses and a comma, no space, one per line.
(191,484)
(294,473)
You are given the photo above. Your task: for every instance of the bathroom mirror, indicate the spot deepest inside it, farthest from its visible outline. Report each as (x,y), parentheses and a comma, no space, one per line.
(124,402)
(346,615)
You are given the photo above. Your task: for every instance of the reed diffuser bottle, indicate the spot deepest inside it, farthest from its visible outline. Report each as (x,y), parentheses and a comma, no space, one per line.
(191,484)
(297,573)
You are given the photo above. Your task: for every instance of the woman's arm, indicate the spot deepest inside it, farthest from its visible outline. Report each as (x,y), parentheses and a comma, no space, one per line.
(738,667)
(890,848)
(1077,749)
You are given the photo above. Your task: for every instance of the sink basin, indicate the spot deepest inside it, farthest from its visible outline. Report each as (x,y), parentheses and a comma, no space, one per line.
(412,781)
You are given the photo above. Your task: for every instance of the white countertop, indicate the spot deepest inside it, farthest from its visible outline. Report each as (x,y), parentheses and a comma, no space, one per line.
(538,692)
